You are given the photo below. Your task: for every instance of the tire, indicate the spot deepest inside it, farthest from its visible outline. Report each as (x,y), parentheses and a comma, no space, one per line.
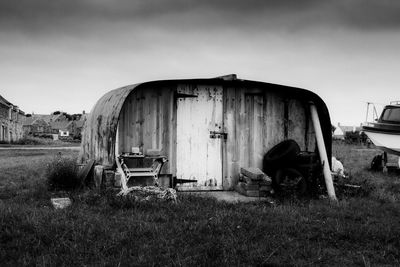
(306,163)
(281,155)
(306,157)
(289,179)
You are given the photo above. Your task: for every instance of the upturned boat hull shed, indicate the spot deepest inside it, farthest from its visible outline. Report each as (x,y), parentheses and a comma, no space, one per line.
(207,128)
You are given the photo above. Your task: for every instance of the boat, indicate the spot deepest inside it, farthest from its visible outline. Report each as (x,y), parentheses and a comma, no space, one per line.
(384,132)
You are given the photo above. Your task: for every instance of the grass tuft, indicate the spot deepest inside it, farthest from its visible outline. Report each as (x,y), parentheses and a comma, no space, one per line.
(62,174)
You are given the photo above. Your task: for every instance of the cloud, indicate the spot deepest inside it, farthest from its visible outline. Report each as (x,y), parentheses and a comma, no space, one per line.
(84,16)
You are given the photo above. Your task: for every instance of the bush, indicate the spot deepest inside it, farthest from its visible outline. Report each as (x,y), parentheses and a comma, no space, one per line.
(29,140)
(62,174)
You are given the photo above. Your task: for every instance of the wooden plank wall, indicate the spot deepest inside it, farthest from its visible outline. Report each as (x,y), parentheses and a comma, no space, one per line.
(147,121)
(255,121)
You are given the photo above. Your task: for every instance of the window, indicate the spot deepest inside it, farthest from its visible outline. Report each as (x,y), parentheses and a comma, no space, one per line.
(391,115)
(3,133)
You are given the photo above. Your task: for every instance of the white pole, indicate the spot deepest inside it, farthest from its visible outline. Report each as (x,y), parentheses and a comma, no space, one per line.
(322,152)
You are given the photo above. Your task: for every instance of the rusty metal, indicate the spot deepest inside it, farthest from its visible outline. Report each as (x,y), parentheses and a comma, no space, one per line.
(99,134)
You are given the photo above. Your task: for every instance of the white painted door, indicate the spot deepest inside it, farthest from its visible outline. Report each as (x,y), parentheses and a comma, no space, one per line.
(199,151)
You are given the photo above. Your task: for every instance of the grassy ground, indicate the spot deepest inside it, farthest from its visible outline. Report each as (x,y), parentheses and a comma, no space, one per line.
(362,229)
(36,141)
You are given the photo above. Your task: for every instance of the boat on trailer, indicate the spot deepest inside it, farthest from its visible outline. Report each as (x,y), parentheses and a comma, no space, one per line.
(385,131)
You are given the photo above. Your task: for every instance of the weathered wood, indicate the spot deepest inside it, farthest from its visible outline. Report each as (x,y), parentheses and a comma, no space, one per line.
(85,171)
(109,178)
(98,176)
(199,155)
(274,119)
(230,167)
(241,189)
(252,173)
(297,122)
(265,181)
(253,118)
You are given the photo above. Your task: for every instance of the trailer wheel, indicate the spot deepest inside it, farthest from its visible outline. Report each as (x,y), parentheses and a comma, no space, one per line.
(281,155)
(289,180)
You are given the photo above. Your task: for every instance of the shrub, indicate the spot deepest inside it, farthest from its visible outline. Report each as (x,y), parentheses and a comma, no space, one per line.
(29,140)
(62,174)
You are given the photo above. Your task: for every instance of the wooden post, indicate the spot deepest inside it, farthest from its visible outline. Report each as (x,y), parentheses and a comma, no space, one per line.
(322,152)
(98,176)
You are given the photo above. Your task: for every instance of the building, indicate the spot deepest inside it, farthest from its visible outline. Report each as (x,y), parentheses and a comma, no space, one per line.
(62,128)
(11,121)
(207,128)
(346,132)
(36,127)
(60,124)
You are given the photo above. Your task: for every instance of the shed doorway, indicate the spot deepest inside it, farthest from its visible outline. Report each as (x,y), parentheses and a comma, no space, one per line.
(200,137)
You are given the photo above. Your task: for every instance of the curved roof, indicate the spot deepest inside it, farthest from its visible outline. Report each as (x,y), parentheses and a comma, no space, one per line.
(99,134)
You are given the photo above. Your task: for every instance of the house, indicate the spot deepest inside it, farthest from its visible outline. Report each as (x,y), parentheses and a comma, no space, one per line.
(51,117)
(62,128)
(338,133)
(58,124)
(207,128)
(346,132)
(36,126)
(11,121)
(43,125)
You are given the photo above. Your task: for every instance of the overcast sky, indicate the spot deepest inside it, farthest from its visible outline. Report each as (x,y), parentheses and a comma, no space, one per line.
(64,55)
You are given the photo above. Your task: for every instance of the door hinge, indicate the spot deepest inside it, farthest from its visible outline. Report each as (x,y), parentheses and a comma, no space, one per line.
(181,95)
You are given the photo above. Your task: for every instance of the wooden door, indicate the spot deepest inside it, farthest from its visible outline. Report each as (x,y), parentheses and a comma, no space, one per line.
(199,138)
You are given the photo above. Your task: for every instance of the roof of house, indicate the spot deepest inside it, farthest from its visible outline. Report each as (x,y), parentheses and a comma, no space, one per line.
(29,120)
(60,125)
(4,101)
(34,121)
(47,118)
(9,104)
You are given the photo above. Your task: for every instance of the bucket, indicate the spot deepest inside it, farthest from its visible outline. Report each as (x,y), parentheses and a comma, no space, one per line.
(165,180)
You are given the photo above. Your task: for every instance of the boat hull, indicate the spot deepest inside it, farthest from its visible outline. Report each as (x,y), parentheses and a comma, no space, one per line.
(388,142)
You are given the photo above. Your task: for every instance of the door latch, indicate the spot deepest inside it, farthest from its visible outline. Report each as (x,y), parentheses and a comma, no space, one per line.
(218,135)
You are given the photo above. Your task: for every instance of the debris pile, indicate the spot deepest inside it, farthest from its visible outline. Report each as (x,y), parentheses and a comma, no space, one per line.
(61,203)
(254,183)
(337,168)
(149,193)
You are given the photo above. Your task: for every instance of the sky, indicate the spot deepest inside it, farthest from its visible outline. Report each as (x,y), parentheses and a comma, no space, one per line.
(64,55)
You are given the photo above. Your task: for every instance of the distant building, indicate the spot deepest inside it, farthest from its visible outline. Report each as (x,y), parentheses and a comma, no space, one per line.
(346,132)
(11,121)
(62,128)
(36,127)
(61,124)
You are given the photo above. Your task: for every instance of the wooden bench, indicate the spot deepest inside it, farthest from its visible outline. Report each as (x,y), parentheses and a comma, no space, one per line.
(140,176)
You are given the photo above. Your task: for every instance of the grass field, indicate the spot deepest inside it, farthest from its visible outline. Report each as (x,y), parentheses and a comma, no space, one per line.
(361,229)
